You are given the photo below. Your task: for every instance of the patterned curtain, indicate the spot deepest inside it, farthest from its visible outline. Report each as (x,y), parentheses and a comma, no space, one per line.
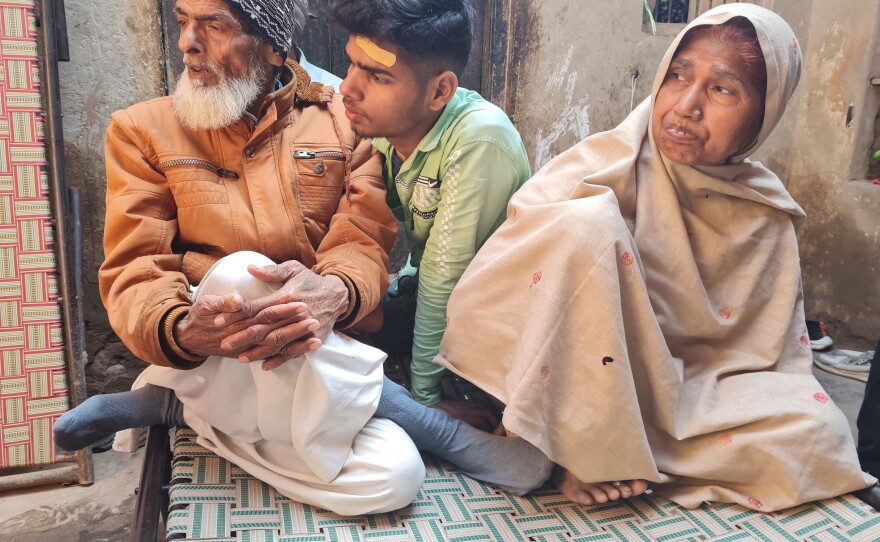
(33,380)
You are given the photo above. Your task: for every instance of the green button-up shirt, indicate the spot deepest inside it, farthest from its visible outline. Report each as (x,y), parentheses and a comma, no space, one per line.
(451,194)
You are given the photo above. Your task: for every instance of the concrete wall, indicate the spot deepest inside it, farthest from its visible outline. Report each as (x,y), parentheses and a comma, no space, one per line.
(115,62)
(575,79)
(576,73)
(828,163)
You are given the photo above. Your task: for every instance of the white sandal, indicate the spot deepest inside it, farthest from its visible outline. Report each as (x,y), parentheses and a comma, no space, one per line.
(848,363)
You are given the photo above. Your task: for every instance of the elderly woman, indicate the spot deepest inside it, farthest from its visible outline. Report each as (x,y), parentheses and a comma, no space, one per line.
(640,313)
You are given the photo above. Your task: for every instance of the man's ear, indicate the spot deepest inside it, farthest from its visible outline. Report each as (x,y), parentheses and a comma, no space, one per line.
(270,55)
(442,88)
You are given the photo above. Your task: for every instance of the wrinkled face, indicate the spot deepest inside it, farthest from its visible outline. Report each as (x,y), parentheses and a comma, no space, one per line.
(227,71)
(385,101)
(214,44)
(707,109)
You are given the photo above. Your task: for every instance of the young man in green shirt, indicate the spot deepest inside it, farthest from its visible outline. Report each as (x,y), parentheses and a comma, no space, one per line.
(452,159)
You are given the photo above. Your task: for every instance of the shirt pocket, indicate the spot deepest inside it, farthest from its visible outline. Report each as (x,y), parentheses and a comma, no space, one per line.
(321,176)
(424,204)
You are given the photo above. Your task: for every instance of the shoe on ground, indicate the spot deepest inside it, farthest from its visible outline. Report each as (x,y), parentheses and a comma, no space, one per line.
(819,339)
(848,363)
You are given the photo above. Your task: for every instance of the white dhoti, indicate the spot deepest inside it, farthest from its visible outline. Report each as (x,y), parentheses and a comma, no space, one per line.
(306,428)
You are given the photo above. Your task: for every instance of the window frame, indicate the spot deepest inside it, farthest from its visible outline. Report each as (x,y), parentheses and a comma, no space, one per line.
(695,9)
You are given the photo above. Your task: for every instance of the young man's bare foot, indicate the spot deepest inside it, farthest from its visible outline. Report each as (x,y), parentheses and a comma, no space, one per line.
(587,494)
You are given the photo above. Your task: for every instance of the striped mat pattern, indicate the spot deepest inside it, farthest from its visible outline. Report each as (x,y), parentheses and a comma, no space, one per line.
(33,381)
(213,500)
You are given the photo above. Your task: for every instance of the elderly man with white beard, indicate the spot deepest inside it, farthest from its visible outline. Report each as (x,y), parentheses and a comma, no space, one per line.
(246,223)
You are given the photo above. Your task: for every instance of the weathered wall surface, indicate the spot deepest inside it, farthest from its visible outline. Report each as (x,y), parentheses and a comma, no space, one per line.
(828,164)
(575,79)
(115,62)
(576,73)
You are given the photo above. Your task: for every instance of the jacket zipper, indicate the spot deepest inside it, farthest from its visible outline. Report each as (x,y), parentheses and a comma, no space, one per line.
(307,155)
(195,162)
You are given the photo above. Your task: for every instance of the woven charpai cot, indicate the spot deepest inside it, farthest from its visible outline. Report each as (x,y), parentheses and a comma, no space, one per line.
(213,500)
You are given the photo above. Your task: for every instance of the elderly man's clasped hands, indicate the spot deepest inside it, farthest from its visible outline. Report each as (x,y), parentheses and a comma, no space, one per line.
(271,329)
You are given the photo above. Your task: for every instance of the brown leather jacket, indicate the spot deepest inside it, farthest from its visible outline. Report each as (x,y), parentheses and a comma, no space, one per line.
(179,199)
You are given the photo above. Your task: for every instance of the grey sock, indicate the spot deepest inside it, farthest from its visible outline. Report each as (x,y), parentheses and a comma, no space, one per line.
(103,415)
(509,462)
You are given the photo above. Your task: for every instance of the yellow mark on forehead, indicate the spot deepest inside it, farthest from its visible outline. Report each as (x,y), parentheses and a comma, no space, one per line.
(380,55)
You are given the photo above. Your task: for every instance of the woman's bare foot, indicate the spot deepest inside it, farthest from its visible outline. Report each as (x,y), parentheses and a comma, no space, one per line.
(587,494)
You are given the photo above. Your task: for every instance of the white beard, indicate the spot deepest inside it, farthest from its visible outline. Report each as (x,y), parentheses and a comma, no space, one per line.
(205,108)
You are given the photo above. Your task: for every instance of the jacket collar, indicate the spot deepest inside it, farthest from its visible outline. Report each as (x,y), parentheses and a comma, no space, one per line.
(275,105)
(285,97)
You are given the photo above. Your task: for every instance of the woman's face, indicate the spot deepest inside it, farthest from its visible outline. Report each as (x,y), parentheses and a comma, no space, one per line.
(707,109)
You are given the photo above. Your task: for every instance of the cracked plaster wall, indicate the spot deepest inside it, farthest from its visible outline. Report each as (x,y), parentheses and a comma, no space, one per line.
(827,165)
(115,62)
(575,75)
(575,80)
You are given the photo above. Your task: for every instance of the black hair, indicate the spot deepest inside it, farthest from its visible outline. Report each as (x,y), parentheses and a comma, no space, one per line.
(433,34)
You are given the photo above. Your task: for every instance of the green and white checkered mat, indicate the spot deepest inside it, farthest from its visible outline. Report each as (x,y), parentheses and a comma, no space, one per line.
(213,500)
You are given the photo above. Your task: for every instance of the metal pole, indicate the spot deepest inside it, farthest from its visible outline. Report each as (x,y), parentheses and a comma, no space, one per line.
(66,222)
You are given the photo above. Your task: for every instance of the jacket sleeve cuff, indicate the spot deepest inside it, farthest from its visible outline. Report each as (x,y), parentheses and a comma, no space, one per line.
(348,317)
(176,355)
(195,265)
